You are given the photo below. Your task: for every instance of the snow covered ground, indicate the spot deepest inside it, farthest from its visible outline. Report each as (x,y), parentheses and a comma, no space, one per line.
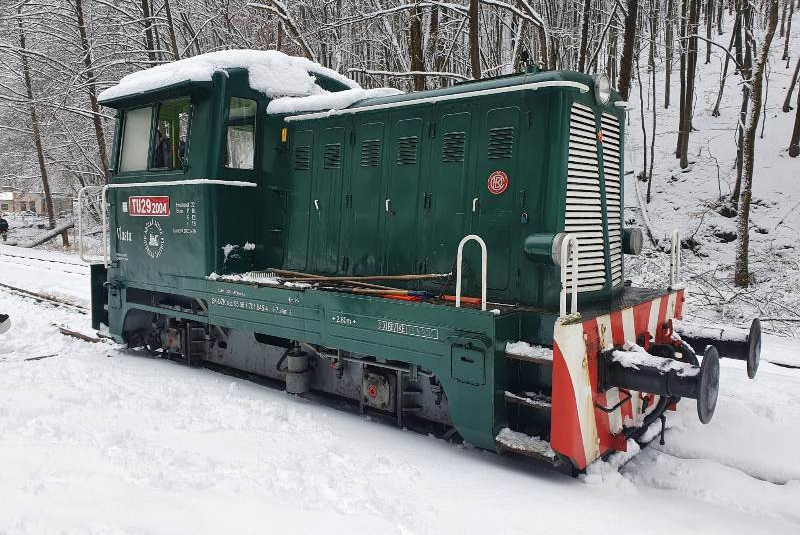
(97,439)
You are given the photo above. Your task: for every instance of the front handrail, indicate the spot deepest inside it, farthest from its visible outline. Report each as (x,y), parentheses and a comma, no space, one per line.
(103,216)
(459,259)
(675,259)
(569,247)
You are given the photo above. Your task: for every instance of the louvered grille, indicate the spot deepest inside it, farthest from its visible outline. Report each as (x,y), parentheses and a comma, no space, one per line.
(370,152)
(501,142)
(453,144)
(332,156)
(584,210)
(611,167)
(407,150)
(302,158)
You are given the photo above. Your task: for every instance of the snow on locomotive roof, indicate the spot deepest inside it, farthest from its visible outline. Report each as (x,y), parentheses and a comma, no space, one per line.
(270,72)
(328,101)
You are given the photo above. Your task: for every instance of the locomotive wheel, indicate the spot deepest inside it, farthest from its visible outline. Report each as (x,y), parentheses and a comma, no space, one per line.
(754,348)
(708,385)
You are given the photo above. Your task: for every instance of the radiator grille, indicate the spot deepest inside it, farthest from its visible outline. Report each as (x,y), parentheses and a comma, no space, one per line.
(611,168)
(584,211)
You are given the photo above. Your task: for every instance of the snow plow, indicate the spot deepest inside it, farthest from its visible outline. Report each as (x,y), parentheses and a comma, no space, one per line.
(412,256)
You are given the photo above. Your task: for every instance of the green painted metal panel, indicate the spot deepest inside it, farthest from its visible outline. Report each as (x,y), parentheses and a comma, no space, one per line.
(468,364)
(363,199)
(495,211)
(300,204)
(445,211)
(402,193)
(326,193)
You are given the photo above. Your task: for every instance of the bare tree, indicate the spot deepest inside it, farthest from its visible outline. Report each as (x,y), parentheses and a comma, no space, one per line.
(742,274)
(474,43)
(629,39)
(587,9)
(35,131)
(669,50)
(691,69)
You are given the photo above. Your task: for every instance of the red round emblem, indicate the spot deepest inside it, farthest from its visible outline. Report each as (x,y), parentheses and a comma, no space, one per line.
(372,390)
(497,183)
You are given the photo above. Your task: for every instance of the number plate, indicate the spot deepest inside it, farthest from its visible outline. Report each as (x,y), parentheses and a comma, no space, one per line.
(149,206)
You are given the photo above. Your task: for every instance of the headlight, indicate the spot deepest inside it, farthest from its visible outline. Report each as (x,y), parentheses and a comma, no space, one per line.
(602,89)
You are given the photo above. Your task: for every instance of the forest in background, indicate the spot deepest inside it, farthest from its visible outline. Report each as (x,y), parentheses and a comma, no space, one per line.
(57,56)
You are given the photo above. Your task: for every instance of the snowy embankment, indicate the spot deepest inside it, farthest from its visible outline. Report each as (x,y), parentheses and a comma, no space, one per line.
(692,200)
(98,439)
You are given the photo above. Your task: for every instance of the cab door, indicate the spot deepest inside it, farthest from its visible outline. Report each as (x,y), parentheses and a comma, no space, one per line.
(299,199)
(496,184)
(326,197)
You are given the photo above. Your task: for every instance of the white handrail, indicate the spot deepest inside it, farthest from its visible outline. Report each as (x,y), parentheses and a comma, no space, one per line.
(103,215)
(459,259)
(569,245)
(675,259)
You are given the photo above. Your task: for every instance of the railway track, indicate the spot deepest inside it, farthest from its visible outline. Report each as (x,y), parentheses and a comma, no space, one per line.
(75,268)
(45,298)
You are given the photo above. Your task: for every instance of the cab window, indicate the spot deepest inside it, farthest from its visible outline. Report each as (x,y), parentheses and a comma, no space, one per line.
(241,133)
(135,142)
(170,135)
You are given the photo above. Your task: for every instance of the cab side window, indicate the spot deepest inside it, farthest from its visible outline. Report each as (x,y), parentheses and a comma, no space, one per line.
(240,140)
(171,135)
(135,141)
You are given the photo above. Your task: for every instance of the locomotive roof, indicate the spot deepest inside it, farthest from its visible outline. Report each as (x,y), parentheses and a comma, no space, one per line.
(271,72)
(516,82)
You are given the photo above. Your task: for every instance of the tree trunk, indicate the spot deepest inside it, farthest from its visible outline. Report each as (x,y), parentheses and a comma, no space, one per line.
(709,24)
(787,103)
(626,63)
(587,9)
(746,14)
(91,87)
(611,64)
(794,144)
(37,137)
(788,31)
(148,31)
(655,8)
(670,49)
(474,39)
(682,96)
(715,111)
(415,48)
(783,16)
(742,275)
(171,28)
(691,69)
(720,11)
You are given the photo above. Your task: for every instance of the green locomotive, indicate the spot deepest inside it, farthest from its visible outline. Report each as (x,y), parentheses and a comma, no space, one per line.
(412,254)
